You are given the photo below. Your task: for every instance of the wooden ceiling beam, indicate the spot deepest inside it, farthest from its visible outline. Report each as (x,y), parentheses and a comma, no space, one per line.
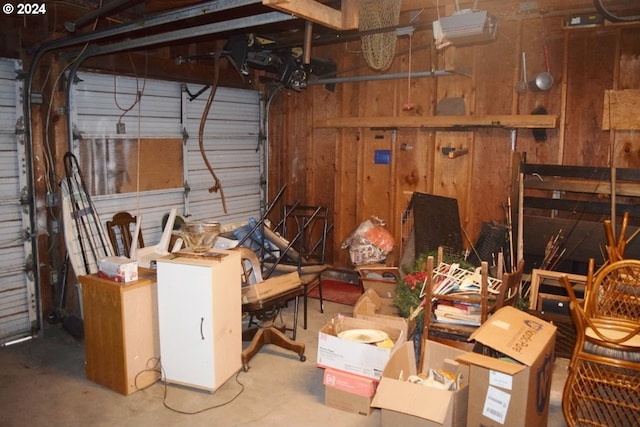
(312,10)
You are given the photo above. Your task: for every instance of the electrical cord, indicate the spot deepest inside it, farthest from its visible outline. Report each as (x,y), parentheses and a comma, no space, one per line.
(154,365)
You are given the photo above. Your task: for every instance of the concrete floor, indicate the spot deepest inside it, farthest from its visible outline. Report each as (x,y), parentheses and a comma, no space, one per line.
(42,383)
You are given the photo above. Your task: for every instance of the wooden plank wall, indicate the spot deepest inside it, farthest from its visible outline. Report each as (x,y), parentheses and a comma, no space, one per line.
(335,167)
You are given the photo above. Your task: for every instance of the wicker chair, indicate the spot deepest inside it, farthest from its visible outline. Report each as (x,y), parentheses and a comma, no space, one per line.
(604,372)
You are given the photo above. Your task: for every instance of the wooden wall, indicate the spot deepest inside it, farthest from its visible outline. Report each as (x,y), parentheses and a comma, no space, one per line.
(336,168)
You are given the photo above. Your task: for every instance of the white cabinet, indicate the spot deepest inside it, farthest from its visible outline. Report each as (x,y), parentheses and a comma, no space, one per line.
(200,319)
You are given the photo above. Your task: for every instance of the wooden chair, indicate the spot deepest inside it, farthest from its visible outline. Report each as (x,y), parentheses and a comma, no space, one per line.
(488,300)
(604,371)
(266,311)
(120,235)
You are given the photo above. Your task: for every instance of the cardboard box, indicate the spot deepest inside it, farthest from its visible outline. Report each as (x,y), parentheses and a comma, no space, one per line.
(381,278)
(357,358)
(371,306)
(274,285)
(414,405)
(516,391)
(348,392)
(118,269)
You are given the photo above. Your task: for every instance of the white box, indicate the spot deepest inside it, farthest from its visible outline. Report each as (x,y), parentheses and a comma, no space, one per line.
(118,269)
(355,357)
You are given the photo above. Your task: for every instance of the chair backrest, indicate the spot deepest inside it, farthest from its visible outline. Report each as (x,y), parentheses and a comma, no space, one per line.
(251,267)
(611,313)
(614,292)
(483,298)
(120,235)
(510,288)
(306,227)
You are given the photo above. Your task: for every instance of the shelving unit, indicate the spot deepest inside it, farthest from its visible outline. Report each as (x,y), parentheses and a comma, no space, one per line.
(528,121)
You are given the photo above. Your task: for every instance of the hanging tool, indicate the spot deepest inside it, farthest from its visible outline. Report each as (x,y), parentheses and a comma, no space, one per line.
(217,184)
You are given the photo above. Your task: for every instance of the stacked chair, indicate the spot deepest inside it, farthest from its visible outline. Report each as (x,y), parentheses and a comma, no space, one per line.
(296,242)
(603,382)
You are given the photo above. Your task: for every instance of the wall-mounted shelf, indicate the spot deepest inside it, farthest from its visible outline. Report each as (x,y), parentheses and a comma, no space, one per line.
(532,121)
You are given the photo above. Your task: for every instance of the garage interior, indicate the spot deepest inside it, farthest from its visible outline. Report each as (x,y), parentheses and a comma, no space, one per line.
(521,117)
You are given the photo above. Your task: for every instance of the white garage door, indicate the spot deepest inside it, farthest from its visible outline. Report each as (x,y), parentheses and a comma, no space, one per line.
(167,110)
(18,296)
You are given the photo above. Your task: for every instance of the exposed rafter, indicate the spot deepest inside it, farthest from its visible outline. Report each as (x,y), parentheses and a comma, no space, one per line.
(345,18)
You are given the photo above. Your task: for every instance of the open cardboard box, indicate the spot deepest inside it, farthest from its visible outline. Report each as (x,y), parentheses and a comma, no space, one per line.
(270,287)
(372,306)
(406,404)
(357,358)
(379,277)
(514,389)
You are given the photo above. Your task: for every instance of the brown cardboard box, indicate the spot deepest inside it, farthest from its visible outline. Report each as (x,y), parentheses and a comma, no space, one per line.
(360,358)
(512,390)
(270,287)
(348,392)
(379,277)
(414,405)
(372,306)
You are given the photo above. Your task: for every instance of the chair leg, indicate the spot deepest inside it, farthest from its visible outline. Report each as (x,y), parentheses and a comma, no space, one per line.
(320,294)
(271,335)
(304,309)
(295,318)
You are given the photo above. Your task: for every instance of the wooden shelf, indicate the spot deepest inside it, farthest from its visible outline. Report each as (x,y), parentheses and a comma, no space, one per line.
(533,121)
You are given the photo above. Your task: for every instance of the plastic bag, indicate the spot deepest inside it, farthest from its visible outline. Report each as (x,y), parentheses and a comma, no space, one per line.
(370,242)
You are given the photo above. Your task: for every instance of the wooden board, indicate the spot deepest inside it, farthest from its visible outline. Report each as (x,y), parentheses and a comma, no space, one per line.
(621,109)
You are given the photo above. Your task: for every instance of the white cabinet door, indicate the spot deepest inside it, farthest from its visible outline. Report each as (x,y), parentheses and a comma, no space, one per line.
(200,320)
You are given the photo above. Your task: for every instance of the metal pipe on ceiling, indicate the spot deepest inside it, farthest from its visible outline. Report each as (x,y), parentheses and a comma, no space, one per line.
(72,26)
(371,77)
(171,36)
(144,23)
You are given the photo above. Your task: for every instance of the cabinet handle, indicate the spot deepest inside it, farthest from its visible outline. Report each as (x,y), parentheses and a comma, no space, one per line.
(201,324)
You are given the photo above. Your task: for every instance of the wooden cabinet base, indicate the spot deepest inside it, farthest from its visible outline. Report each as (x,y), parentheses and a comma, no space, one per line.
(121,332)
